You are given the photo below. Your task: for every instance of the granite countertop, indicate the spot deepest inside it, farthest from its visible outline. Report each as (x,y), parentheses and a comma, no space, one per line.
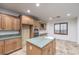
(3,37)
(40,41)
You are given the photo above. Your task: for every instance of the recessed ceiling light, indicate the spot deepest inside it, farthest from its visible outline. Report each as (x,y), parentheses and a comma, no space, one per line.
(28,11)
(37,4)
(50,18)
(68,14)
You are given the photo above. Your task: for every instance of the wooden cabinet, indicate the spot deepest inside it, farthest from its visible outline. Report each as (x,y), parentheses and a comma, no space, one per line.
(40,25)
(32,49)
(18,43)
(12,45)
(27,20)
(37,24)
(9,45)
(1,47)
(6,22)
(49,49)
(9,22)
(16,23)
(43,26)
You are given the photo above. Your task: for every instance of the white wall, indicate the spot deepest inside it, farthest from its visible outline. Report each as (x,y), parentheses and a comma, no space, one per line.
(72,29)
(78,30)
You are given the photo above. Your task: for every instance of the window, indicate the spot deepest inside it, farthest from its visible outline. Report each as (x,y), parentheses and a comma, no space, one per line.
(61,28)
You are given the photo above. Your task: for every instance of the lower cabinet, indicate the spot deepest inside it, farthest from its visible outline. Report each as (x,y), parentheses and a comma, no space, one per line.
(10,45)
(49,49)
(1,47)
(31,49)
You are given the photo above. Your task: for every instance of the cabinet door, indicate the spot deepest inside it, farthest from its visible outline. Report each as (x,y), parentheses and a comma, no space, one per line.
(37,24)
(48,49)
(10,45)
(1,47)
(27,20)
(32,49)
(18,43)
(0,23)
(6,22)
(16,23)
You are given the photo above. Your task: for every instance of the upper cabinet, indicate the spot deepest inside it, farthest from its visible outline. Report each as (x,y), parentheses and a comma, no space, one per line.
(16,23)
(27,20)
(6,22)
(41,25)
(36,24)
(9,22)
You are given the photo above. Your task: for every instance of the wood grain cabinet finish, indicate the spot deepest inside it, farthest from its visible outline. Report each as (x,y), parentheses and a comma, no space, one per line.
(18,43)
(27,20)
(49,49)
(6,22)
(36,24)
(16,23)
(1,47)
(12,45)
(32,49)
(9,46)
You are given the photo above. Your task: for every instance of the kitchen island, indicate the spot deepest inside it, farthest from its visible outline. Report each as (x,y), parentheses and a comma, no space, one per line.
(40,46)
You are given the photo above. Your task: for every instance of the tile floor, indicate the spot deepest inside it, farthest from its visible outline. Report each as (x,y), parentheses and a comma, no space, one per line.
(62,48)
(66,48)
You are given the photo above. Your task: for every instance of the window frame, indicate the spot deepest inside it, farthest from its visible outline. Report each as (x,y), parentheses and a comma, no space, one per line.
(60,31)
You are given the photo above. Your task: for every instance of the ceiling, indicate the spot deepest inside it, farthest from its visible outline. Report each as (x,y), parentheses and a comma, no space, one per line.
(45,10)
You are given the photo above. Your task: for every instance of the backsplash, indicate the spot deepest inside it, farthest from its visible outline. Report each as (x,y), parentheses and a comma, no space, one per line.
(8,32)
